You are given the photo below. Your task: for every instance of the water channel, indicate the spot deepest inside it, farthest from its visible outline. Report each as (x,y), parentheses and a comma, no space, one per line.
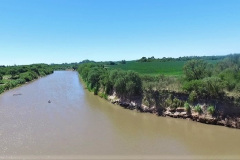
(78,125)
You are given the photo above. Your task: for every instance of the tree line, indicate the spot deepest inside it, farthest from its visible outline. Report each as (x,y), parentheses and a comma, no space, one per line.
(201,80)
(98,78)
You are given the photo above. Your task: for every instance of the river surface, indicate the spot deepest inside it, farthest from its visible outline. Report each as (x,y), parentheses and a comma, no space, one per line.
(78,125)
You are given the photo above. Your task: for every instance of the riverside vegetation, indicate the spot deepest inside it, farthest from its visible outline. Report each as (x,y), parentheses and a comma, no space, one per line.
(204,89)
(14,76)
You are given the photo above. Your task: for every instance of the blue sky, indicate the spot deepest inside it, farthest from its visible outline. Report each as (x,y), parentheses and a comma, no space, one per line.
(58,31)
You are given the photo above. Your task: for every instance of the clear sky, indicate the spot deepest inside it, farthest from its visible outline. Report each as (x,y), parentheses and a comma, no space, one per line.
(58,31)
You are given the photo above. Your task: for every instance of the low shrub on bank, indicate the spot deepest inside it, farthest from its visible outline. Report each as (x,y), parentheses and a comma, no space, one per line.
(198,109)
(187,107)
(103,95)
(211,109)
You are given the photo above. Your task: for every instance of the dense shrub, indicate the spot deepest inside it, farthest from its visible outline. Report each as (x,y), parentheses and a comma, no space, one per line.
(196,69)
(209,87)
(192,97)
(124,83)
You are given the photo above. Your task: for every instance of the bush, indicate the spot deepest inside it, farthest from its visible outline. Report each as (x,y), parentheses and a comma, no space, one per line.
(103,95)
(196,69)
(207,87)
(211,109)
(2,89)
(187,107)
(198,109)
(192,97)
(177,103)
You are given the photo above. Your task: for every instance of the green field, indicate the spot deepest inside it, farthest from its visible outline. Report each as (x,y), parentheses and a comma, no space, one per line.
(171,68)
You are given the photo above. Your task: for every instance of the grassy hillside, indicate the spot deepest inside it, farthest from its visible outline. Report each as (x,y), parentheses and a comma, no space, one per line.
(171,68)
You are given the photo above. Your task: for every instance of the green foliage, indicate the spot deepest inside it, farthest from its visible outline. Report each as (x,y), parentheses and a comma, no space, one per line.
(198,109)
(211,87)
(177,103)
(173,102)
(14,76)
(192,97)
(211,109)
(12,72)
(124,83)
(2,89)
(196,69)
(187,107)
(123,62)
(103,95)
(112,63)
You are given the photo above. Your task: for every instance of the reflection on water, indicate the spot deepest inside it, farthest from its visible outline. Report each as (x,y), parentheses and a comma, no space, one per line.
(77,124)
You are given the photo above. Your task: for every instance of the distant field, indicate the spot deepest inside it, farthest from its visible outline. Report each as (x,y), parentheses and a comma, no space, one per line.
(171,68)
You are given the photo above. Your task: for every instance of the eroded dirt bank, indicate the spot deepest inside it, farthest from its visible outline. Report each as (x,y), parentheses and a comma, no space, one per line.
(226,113)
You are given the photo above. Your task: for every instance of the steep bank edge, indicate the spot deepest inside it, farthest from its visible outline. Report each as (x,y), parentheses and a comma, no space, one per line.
(136,104)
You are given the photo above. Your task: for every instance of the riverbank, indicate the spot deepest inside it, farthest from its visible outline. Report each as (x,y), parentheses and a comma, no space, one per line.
(224,111)
(222,116)
(10,85)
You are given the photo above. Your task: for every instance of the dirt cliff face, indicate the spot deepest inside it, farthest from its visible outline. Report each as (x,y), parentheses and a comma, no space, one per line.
(227,113)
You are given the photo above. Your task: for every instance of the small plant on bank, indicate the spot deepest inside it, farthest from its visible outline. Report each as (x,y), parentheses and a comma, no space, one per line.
(211,109)
(103,95)
(187,107)
(198,109)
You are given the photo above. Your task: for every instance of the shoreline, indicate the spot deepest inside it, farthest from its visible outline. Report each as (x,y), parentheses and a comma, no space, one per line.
(24,84)
(180,112)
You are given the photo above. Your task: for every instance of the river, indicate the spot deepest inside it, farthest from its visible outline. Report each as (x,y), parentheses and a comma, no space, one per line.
(78,125)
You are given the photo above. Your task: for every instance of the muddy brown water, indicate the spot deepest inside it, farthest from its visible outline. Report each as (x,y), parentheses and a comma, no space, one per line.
(78,125)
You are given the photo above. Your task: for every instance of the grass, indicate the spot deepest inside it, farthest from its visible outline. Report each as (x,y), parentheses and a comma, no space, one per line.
(171,68)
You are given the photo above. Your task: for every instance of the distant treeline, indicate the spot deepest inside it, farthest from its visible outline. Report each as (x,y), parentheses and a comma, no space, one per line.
(186,58)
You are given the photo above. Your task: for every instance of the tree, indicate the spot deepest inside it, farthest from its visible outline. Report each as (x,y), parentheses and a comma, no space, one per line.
(143,59)
(112,63)
(196,69)
(123,62)
(12,72)
(75,67)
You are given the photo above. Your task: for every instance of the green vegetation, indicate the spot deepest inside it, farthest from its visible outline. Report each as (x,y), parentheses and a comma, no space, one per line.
(167,82)
(198,109)
(98,78)
(211,109)
(187,107)
(202,81)
(13,76)
(153,68)
(174,102)
(160,83)
(166,66)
